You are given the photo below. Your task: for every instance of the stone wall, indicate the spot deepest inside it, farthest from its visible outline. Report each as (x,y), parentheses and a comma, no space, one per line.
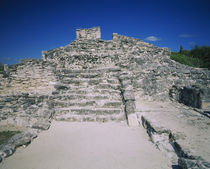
(92,33)
(29,76)
(102,53)
(153,72)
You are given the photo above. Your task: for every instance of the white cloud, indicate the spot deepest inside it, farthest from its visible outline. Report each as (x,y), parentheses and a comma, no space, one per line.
(152,38)
(185,35)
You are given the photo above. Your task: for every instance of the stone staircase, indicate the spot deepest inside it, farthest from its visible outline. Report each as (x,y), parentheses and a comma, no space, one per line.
(88,95)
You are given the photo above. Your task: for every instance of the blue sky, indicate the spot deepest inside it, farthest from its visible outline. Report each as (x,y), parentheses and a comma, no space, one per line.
(30,26)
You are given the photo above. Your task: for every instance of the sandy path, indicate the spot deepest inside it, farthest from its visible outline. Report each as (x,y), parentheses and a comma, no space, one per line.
(88,146)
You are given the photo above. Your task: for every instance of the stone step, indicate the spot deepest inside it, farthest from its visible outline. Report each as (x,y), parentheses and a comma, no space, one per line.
(91,96)
(113,104)
(94,88)
(59,103)
(89,71)
(87,111)
(86,75)
(108,86)
(79,86)
(78,82)
(93,81)
(86,118)
(89,103)
(88,91)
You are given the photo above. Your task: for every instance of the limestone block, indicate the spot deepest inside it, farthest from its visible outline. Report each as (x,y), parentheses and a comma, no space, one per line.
(130,106)
(132,120)
(6,68)
(92,33)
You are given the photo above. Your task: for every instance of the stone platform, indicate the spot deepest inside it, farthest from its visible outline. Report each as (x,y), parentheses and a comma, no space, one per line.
(178,131)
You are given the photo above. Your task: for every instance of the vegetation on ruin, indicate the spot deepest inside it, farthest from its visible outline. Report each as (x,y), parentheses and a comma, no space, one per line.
(1,67)
(196,57)
(6,135)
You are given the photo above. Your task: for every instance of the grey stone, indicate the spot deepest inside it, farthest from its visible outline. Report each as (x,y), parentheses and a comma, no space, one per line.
(130,106)
(192,163)
(185,130)
(41,124)
(7,150)
(129,95)
(61,87)
(24,138)
(92,33)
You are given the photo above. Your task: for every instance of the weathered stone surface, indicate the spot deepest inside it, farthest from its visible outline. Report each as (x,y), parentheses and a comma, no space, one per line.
(41,124)
(24,110)
(187,132)
(193,163)
(29,76)
(92,33)
(17,140)
(6,150)
(24,138)
(130,106)
(132,120)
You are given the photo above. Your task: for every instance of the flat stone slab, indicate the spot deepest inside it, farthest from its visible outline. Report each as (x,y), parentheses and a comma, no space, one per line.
(89,145)
(190,129)
(132,120)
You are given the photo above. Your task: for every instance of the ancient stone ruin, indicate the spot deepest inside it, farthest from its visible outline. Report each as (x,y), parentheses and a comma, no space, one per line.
(93,33)
(123,79)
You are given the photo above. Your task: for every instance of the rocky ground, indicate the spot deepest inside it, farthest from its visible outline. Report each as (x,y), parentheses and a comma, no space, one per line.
(178,131)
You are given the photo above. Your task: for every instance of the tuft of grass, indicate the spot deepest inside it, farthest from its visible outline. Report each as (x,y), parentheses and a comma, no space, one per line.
(6,135)
(187,60)
(150,139)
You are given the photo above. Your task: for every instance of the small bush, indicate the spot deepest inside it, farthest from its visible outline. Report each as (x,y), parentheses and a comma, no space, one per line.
(187,60)
(197,56)
(6,135)
(1,67)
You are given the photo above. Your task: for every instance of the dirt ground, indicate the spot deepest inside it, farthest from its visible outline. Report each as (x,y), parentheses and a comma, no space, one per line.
(89,145)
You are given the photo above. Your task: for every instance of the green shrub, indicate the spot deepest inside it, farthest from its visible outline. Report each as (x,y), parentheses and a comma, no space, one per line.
(196,57)
(187,60)
(1,67)
(6,135)
(203,53)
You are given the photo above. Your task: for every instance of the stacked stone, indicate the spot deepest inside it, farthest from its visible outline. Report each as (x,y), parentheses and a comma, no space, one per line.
(24,94)
(88,95)
(92,33)
(29,76)
(154,74)
(21,139)
(86,53)
(25,111)
(128,97)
